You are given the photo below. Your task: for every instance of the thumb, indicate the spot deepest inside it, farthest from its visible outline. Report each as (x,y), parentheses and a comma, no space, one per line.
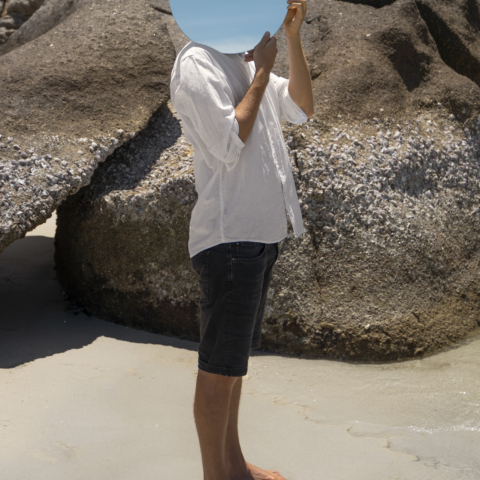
(265,38)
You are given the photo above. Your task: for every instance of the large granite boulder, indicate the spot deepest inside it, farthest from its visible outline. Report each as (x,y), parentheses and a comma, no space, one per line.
(69,98)
(388,175)
(135,271)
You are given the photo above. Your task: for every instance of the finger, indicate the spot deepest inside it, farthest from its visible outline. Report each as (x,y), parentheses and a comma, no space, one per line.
(289,16)
(297,5)
(296,11)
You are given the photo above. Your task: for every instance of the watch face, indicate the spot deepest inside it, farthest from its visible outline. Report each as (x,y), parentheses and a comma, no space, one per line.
(229,26)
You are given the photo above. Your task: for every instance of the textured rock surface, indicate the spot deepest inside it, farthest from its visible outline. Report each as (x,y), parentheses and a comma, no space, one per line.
(382,62)
(456,32)
(179,39)
(388,268)
(123,254)
(388,173)
(372,3)
(51,13)
(69,98)
(14,13)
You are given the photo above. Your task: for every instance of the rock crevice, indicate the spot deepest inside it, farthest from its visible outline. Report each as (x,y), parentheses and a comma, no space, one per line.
(458,42)
(14,13)
(371,3)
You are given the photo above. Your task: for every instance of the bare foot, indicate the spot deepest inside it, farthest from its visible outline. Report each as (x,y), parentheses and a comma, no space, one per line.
(255,473)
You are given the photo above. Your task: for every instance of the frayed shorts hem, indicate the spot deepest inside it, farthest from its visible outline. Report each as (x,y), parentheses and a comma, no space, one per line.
(226,371)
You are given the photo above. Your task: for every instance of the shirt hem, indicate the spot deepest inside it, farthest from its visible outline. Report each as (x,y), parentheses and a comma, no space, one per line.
(243,239)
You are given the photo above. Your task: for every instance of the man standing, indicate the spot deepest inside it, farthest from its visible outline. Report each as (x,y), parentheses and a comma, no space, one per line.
(231,112)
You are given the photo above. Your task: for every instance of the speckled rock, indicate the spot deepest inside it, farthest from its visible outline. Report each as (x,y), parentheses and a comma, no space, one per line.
(387,269)
(69,98)
(389,185)
(124,252)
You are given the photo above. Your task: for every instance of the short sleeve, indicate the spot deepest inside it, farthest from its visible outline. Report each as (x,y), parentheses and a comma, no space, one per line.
(289,110)
(204,96)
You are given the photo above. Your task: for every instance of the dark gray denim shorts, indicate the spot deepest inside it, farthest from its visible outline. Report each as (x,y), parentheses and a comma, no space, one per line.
(234,279)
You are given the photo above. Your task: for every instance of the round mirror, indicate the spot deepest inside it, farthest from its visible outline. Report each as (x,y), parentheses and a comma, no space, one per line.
(229,26)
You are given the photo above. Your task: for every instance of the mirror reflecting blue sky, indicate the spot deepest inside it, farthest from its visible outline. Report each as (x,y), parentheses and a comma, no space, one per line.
(229,26)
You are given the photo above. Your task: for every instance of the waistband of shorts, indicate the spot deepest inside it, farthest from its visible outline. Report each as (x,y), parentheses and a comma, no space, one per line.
(229,246)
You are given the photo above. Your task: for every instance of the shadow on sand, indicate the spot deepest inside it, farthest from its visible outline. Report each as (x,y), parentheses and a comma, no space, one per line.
(36,320)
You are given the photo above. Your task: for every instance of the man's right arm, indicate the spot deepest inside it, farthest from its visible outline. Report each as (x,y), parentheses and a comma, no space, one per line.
(246,111)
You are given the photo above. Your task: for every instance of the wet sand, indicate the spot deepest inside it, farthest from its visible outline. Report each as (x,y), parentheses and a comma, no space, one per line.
(82,398)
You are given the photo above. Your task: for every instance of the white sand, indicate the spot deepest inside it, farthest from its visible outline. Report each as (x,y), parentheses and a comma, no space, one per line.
(82,399)
(47,229)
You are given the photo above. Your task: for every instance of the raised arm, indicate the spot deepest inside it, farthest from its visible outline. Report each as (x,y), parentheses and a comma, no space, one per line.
(246,111)
(300,83)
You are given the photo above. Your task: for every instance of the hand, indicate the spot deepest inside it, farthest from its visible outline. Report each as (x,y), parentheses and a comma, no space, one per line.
(264,53)
(297,9)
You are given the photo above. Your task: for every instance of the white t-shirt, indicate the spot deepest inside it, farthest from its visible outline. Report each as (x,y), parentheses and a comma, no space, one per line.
(243,188)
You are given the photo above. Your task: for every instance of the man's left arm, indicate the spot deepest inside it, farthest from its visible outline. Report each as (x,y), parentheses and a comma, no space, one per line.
(300,82)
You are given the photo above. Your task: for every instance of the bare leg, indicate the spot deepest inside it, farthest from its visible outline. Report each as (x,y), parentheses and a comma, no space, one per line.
(235,462)
(211,405)
(234,459)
